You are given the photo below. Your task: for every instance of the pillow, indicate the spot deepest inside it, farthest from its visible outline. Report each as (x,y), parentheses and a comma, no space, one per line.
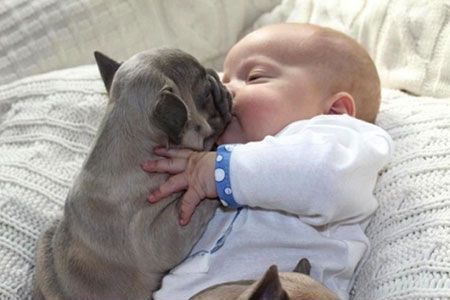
(409,40)
(39,36)
(410,231)
(47,124)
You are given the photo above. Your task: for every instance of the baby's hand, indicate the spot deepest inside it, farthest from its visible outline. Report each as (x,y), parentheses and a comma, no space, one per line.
(191,171)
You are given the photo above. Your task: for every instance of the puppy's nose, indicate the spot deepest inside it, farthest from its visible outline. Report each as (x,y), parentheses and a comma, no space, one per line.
(229,89)
(227,93)
(221,95)
(228,97)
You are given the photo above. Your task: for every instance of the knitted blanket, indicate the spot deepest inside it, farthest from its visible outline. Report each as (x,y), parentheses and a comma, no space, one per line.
(47,125)
(48,122)
(410,232)
(44,35)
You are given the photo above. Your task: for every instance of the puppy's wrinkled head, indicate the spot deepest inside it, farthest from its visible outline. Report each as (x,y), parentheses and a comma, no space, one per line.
(180,101)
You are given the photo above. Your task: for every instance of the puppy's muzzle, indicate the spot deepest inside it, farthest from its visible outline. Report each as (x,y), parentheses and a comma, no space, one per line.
(221,96)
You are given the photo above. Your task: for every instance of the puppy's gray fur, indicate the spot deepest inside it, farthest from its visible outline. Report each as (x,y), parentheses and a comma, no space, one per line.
(111,243)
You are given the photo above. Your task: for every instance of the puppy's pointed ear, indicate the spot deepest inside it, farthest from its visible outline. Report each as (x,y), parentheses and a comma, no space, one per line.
(170,115)
(269,287)
(107,68)
(303,267)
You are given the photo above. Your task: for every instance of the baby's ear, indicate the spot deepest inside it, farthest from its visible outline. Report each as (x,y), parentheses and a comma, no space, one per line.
(170,115)
(107,67)
(341,103)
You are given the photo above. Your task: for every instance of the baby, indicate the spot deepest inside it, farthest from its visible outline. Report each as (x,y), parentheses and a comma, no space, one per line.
(296,168)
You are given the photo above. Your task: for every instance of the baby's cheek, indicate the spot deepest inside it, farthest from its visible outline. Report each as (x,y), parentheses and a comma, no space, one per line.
(255,110)
(260,122)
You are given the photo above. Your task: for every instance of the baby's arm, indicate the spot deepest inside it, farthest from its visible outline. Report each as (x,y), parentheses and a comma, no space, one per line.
(323,172)
(320,172)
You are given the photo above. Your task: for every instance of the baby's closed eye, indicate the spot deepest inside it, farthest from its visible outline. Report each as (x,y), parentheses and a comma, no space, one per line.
(254,77)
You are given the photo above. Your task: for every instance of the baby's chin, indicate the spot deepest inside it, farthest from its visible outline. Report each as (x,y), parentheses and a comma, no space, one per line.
(233,134)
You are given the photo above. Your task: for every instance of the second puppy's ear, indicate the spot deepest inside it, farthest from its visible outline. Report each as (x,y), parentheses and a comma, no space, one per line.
(107,67)
(171,115)
(269,287)
(303,267)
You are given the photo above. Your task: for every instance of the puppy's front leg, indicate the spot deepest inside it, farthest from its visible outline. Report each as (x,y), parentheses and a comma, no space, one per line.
(161,242)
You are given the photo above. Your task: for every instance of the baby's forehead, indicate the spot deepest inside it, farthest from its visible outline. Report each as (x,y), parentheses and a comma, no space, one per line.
(283,43)
(297,43)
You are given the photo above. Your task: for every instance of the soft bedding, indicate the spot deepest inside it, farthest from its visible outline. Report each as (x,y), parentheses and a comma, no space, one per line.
(48,122)
(40,36)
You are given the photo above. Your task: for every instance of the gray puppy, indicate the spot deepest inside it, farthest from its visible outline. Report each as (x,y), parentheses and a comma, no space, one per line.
(111,243)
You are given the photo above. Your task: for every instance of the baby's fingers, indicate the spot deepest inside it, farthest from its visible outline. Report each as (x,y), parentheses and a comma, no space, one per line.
(188,204)
(173,153)
(167,165)
(174,184)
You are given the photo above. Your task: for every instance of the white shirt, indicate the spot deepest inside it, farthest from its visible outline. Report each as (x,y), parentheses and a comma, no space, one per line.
(307,193)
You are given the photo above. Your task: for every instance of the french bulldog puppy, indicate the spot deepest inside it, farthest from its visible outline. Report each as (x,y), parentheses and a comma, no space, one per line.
(111,243)
(295,285)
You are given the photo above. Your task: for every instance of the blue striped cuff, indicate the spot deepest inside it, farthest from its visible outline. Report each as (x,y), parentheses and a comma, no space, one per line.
(222,176)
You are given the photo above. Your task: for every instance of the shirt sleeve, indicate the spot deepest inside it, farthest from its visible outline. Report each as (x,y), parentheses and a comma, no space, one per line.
(324,171)
(222,176)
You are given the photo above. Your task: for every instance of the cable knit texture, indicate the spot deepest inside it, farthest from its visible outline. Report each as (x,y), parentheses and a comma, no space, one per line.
(48,122)
(410,232)
(47,125)
(45,35)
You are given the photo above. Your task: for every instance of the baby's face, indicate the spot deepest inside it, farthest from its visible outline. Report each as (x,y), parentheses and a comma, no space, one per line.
(270,87)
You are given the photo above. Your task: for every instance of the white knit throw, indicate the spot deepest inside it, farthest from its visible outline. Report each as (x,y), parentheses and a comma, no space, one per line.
(37,36)
(48,122)
(410,232)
